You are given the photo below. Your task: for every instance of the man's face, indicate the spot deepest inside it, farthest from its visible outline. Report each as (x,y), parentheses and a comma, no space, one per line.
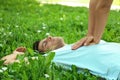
(50,43)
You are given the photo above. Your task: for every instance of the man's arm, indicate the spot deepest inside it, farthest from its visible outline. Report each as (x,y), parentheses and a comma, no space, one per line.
(12,57)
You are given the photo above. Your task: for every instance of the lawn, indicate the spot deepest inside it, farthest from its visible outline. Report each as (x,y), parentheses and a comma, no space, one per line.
(22,22)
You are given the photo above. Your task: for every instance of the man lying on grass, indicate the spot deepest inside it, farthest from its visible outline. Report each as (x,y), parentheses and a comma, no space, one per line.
(102,59)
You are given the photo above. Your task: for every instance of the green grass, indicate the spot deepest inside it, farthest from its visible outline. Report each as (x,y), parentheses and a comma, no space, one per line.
(24,21)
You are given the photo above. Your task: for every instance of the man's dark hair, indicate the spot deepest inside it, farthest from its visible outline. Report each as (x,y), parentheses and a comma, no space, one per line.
(35,46)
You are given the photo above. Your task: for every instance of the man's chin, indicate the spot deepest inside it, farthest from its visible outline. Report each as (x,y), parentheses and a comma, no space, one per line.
(59,42)
(61,39)
(58,39)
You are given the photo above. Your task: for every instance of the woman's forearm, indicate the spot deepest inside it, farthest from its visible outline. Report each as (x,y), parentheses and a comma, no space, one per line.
(91,20)
(101,15)
(98,14)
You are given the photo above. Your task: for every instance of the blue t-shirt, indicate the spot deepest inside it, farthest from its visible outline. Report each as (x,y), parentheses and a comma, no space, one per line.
(102,59)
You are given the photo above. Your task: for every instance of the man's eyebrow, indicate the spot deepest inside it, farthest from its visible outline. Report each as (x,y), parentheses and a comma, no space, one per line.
(42,44)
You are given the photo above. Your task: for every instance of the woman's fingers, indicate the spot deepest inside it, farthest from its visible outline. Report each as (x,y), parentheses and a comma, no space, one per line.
(83,42)
(88,40)
(79,44)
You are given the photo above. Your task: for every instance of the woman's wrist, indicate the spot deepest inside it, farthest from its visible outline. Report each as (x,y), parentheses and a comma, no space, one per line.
(89,34)
(97,38)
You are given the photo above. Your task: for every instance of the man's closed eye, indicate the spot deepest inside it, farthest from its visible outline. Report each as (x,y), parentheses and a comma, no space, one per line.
(44,43)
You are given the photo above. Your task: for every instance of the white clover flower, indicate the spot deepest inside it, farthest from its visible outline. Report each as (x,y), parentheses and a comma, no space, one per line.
(40,5)
(1,45)
(17,61)
(25,34)
(1,71)
(33,58)
(26,59)
(16,26)
(2,29)
(10,33)
(44,27)
(81,23)
(43,24)
(4,34)
(4,68)
(118,10)
(17,13)
(1,19)
(46,76)
(118,23)
(47,34)
(61,19)
(77,17)
(45,55)
(38,31)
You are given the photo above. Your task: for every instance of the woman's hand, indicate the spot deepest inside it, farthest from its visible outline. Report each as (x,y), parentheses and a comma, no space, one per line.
(88,40)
